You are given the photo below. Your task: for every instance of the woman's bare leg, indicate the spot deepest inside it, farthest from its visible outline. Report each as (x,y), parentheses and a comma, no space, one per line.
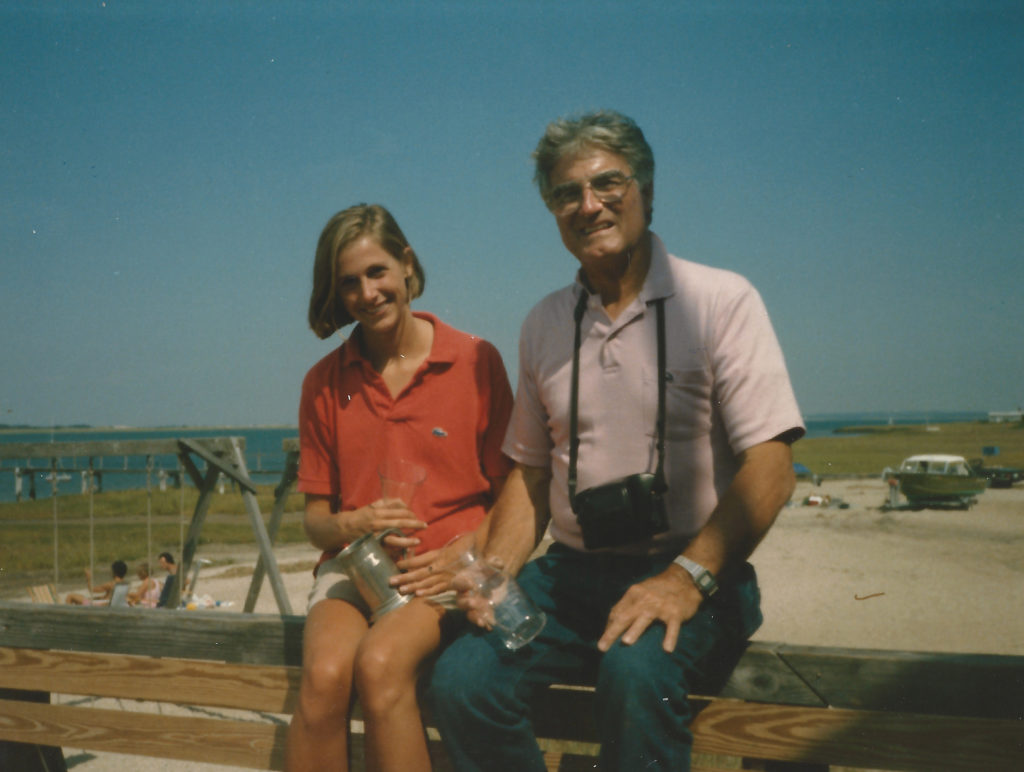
(388,663)
(318,735)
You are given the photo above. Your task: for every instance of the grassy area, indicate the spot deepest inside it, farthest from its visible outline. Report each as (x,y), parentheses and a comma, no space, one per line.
(120,530)
(876,447)
(120,517)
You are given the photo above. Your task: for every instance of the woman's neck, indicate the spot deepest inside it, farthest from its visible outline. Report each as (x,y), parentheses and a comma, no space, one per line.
(407,344)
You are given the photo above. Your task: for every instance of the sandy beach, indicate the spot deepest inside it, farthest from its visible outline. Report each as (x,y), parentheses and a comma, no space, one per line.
(844,572)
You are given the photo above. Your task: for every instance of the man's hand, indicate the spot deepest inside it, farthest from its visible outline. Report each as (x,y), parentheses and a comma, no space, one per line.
(671,597)
(478,609)
(431,572)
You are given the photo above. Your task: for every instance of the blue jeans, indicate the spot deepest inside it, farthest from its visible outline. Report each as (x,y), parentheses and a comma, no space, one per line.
(479,692)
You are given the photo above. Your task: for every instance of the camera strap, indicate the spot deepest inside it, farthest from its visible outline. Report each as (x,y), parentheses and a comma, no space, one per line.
(660,486)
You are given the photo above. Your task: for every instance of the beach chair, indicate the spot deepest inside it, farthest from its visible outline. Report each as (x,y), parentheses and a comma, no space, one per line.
(43,593)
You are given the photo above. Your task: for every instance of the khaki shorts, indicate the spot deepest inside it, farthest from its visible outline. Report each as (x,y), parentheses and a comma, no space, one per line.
(333,582)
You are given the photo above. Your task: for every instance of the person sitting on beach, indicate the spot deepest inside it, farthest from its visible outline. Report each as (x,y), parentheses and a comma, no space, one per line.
(100,594)
(407,386)
(167,563)
(148,592)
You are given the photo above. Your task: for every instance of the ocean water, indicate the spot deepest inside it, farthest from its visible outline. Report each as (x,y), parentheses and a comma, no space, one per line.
(265,458)
(826,424)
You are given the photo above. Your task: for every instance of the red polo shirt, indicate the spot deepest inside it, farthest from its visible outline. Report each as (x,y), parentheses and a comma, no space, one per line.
(450,419)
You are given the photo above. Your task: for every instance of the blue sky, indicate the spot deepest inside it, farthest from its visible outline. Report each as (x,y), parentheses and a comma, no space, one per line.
(165,170)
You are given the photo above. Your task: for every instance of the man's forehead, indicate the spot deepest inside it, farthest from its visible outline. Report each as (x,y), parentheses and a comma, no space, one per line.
(586,163)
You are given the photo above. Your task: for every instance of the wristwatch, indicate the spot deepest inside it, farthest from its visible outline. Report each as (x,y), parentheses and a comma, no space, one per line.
(703,578)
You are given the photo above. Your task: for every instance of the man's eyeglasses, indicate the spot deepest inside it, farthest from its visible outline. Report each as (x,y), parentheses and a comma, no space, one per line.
(609,188)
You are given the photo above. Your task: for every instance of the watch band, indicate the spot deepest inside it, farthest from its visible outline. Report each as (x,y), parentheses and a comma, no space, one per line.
(703,578)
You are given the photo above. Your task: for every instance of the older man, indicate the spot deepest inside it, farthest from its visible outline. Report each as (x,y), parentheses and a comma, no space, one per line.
(651,431)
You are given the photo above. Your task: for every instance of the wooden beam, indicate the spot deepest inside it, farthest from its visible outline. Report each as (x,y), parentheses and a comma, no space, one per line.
(860,738)
(225,461)
(263,539)
(265,639)
(987,686)
(948,684)
(98,448)
(213,740)
(164,679)
(195,527)
(281,493)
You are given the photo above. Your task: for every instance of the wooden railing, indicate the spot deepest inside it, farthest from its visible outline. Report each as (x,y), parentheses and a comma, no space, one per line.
(798,705)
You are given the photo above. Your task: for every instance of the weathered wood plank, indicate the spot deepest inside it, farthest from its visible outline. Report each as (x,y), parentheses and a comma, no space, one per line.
(255,745)
(96,448)
(953,684)
(949,684)
(187,682)
(25,757)
(761,675)
(262,639)
(859,738)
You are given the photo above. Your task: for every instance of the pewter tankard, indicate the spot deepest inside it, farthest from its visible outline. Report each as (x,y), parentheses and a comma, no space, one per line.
(369,566)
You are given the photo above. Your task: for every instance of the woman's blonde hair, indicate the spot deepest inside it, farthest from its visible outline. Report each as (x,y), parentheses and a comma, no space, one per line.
(327,312)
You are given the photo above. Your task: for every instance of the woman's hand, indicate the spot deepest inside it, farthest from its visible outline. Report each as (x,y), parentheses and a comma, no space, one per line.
(379,516)
(328,529)
(432,572)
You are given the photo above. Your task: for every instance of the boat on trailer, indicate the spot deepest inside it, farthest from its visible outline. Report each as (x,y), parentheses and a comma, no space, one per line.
(939,479)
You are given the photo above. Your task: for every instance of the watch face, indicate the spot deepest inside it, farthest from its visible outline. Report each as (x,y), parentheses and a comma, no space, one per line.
(707,584)
(703,578)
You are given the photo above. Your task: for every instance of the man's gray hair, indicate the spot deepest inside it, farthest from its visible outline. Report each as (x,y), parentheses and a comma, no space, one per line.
(605,129)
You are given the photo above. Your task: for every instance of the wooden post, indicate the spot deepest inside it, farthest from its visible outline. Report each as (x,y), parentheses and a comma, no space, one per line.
(92,538)
(205,485)
(53,488)
(281,492)
(149,509)
(262,537)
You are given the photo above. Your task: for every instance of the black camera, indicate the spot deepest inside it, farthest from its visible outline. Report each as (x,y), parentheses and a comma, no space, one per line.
(621,512)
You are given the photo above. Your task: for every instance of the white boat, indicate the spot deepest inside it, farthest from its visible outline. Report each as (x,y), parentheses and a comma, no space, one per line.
(939,478)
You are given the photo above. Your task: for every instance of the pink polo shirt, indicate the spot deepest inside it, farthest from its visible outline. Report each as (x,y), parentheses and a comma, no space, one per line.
(727,390)
(450,420)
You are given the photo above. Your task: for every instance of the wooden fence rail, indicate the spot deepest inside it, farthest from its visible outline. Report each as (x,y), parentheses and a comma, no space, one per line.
(791,704)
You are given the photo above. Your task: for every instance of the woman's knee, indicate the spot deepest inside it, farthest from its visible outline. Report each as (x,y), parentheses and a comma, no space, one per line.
(326,689)
(380,677)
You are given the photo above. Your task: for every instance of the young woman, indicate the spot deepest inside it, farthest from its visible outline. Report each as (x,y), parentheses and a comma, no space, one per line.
(403,386)
(148,592)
